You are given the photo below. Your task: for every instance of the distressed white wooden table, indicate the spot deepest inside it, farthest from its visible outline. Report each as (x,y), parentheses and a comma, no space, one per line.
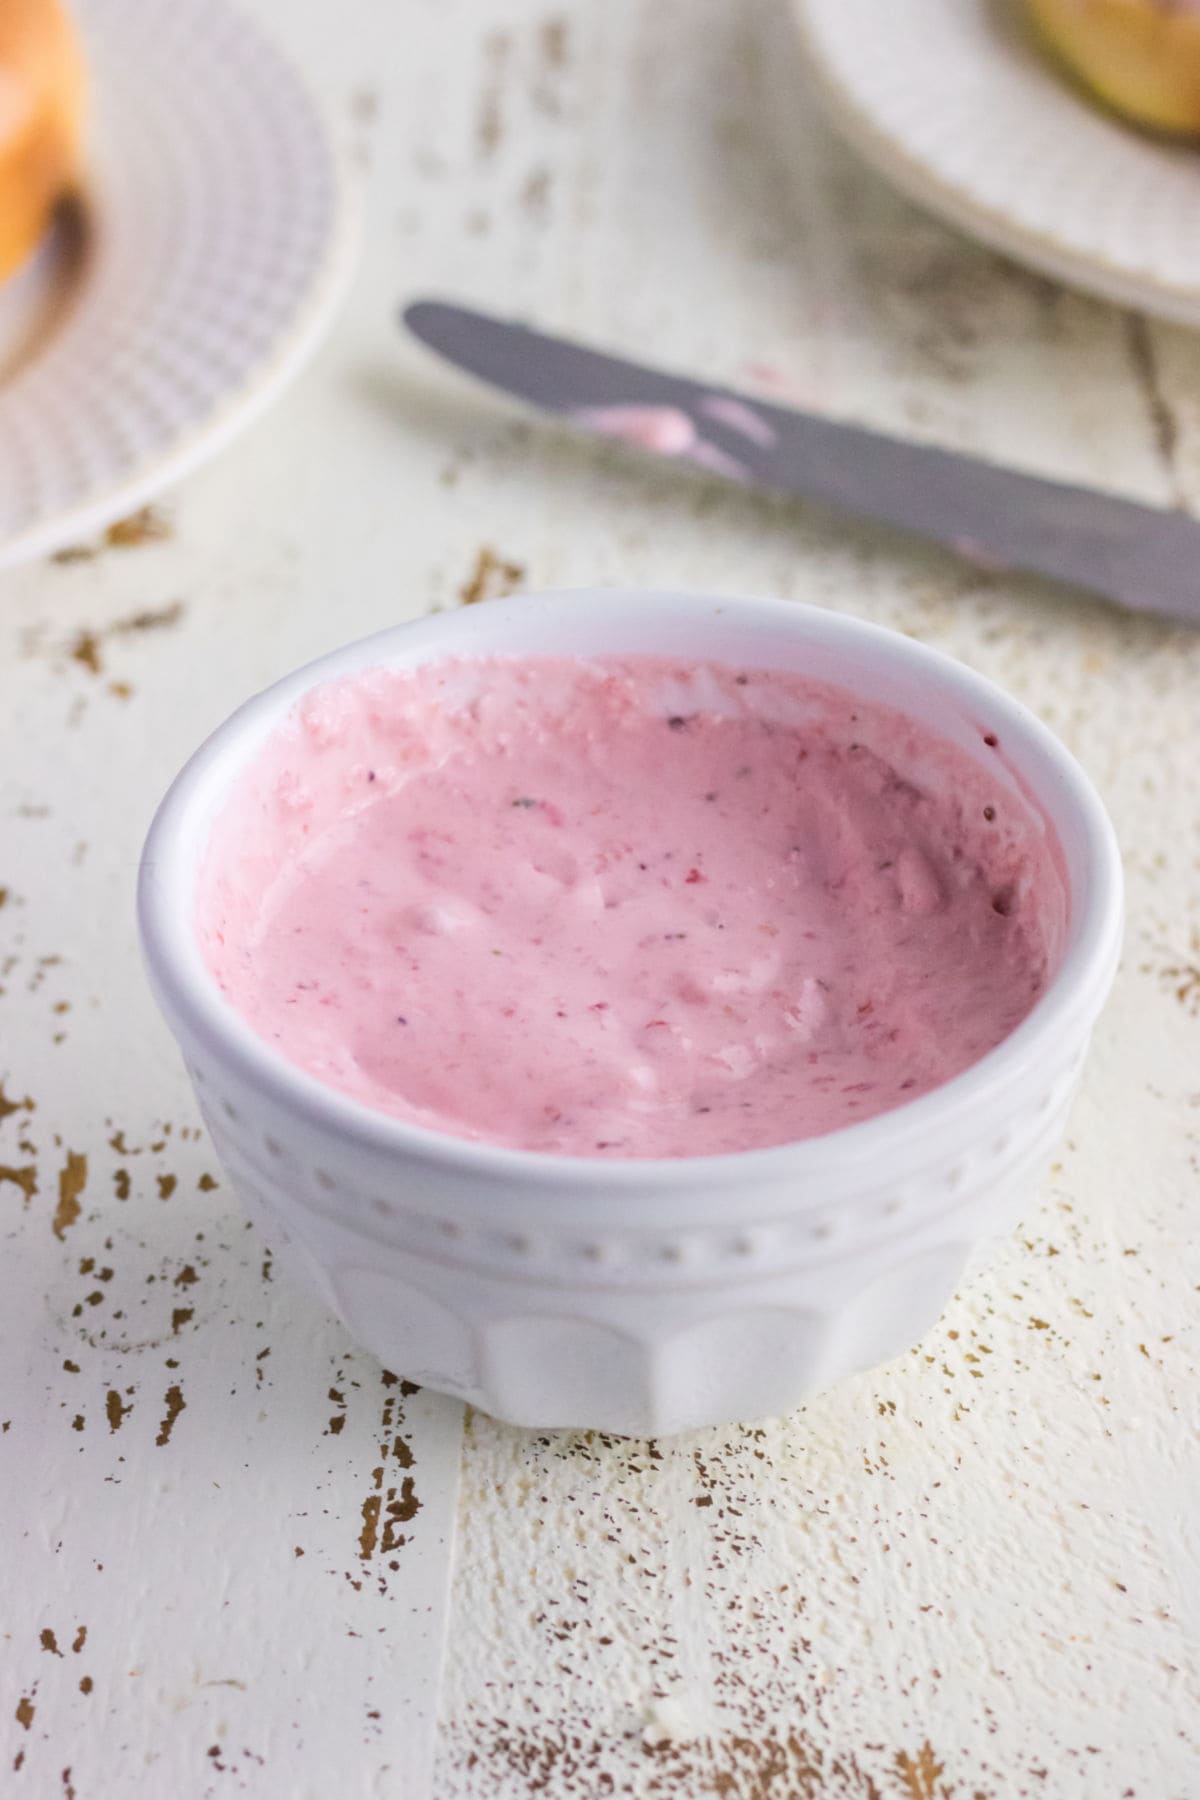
(973,1573)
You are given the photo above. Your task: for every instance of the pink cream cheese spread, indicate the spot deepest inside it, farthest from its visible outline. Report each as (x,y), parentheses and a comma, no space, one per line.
(624,907)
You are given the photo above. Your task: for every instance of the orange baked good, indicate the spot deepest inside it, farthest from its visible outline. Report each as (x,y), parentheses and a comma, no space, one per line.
(41,120)
(1141,56)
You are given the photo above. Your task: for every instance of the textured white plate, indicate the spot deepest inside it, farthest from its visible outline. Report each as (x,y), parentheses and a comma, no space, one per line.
(953,102)
(208,256)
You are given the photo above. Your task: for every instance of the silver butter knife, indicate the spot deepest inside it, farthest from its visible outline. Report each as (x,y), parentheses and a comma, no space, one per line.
(1140,556)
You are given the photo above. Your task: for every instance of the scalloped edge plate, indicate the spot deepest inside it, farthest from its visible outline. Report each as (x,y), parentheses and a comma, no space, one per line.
(214,239)
(996,141)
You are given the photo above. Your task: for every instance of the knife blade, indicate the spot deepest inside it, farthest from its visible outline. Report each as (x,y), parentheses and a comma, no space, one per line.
(1142,557)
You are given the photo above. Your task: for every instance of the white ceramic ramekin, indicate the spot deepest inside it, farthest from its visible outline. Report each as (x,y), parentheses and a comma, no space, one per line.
(641,1296)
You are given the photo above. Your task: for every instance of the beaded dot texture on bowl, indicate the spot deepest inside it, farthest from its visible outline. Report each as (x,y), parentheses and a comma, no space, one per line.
(214,241)
(800,1235)
(635,1330)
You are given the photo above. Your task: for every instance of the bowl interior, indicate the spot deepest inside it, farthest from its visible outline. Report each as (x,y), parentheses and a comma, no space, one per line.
(992,729)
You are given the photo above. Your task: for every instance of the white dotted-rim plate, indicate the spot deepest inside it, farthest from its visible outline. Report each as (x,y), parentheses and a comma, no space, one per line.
(954,103)
(211,247)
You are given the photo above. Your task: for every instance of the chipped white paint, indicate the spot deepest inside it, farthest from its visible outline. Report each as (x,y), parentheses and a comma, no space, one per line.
(974,1573)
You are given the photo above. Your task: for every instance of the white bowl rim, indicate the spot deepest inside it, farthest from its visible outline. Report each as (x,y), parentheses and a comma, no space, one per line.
(188,992)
